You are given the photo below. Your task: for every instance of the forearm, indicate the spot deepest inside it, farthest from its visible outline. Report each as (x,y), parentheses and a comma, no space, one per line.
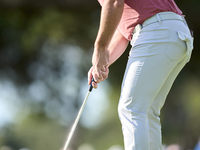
(117,47)
(110,17)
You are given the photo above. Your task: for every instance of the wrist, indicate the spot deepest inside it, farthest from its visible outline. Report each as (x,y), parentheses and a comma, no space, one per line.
(100,48)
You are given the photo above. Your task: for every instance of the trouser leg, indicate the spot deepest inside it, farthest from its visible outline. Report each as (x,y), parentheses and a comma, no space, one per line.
(155,135)
(147,70)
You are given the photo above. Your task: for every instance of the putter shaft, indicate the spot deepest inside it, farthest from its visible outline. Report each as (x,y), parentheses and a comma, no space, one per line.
(78,117)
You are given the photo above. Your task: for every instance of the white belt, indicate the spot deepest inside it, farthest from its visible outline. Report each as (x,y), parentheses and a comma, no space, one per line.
(163,16)
(159,17)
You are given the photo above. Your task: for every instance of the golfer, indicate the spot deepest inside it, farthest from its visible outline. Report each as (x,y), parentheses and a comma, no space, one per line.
(161,46)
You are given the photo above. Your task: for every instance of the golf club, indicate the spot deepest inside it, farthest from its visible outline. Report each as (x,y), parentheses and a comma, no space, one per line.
(78,116)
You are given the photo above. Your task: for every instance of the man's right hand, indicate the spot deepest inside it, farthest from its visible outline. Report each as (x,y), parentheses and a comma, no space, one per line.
(91,73)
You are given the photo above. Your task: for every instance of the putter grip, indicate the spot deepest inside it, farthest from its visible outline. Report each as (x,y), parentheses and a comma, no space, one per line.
(91,87)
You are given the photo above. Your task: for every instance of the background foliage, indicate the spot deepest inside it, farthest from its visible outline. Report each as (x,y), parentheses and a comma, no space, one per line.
(45,53)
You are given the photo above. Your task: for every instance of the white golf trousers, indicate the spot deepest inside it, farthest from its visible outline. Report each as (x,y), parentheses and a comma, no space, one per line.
(159,51)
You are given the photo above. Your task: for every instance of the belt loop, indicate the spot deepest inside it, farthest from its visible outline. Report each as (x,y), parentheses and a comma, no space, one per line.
(184,21)
(159,20)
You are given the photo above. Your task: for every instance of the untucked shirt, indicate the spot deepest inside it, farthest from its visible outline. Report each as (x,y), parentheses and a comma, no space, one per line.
(137,11)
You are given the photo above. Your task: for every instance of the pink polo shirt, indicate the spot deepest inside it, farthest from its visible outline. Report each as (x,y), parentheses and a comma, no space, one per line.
(137,11)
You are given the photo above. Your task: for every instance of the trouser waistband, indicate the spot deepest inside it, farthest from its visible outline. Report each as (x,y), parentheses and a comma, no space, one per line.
(159,17)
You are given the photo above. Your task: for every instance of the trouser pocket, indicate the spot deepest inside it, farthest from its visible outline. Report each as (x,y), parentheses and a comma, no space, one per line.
(179,45)
(188,39)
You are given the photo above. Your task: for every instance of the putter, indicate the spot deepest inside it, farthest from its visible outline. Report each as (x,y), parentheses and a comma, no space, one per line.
(78,116)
